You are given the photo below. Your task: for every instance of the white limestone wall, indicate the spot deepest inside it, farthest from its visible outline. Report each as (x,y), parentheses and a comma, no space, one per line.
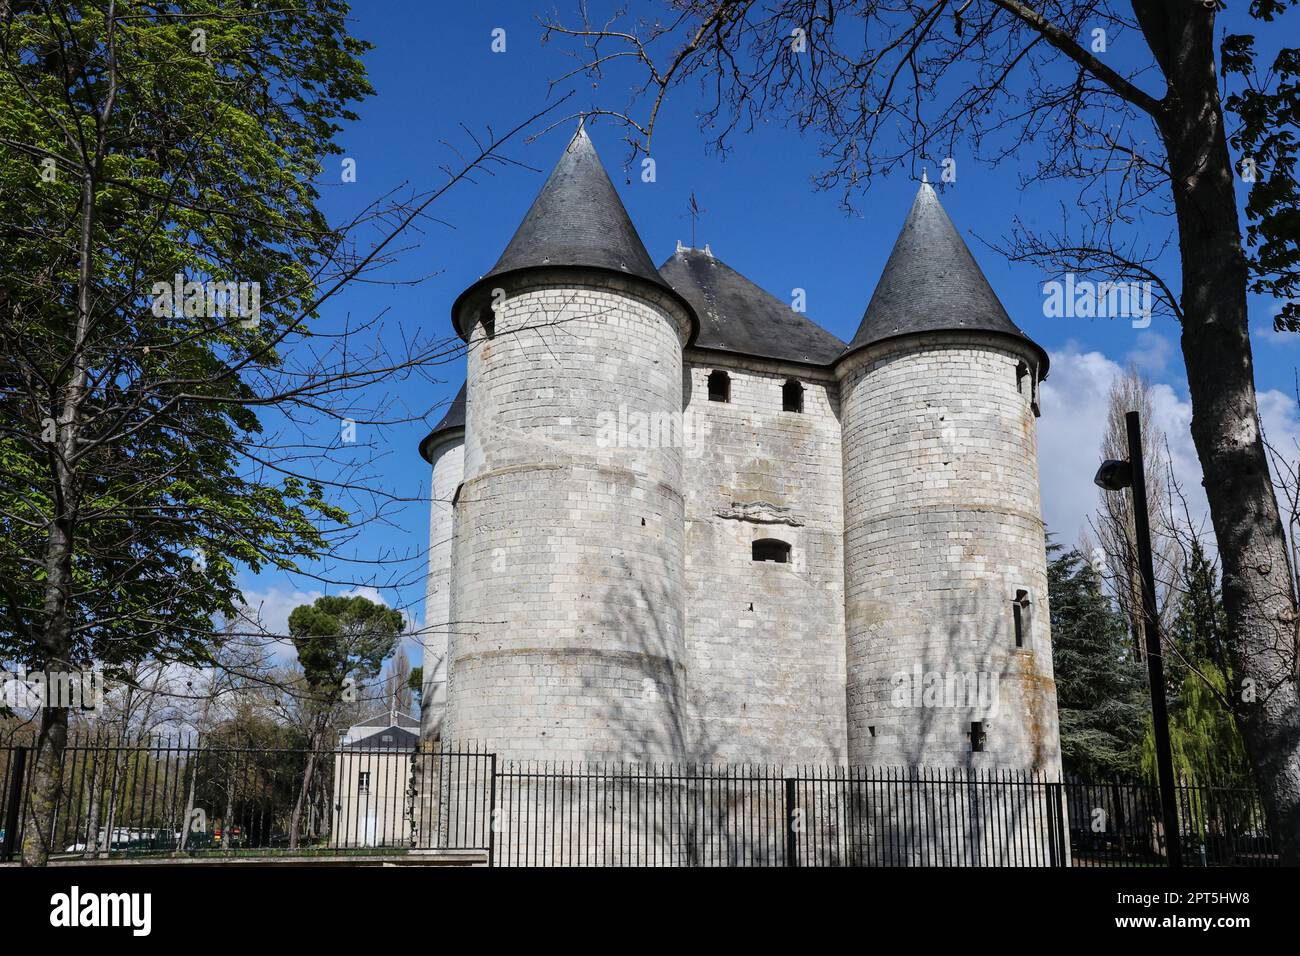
(942,527)
(448,471)
(765,640)
(568,641)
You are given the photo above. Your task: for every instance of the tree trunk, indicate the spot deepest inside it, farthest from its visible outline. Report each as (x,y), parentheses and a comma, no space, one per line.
(295,821)
(1257,590)
(47,771)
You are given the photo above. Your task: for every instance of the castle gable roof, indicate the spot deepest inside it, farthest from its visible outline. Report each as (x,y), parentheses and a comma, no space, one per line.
(737,316)
(932,283)
(577,220)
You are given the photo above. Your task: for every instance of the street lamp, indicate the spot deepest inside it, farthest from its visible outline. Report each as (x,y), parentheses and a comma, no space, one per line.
(1116,476)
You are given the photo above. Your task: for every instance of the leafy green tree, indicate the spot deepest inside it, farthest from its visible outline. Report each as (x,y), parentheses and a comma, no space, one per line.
(342,643)
(172,410)
(1204,737)
(142,143)
(1100,687)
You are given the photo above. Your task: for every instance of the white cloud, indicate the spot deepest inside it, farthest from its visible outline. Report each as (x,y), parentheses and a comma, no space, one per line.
(270,608)
(1152,353)
(1074,420)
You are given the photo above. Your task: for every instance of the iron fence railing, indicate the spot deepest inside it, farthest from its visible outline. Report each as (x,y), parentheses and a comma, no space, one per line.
(178,796)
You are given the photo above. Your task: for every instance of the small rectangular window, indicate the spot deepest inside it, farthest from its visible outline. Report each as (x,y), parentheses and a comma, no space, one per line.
(363,781)
(977,737)
(770,549)
(719,387)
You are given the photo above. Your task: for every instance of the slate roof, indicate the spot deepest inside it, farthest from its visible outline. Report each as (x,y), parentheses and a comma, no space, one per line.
(577,220)
(932,283)
(737,316)
(401,740)
(388,719)
(453,421)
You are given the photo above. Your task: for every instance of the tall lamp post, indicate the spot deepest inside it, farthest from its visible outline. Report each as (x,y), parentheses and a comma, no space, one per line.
(1116,476)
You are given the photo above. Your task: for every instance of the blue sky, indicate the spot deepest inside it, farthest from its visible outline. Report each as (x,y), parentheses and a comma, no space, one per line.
(433,69)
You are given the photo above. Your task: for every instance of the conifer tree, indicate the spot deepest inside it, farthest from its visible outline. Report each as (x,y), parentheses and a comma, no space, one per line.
(1100,686)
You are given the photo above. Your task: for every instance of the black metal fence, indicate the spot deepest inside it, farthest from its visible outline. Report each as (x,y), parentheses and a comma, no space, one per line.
(170,796)
(1118,823)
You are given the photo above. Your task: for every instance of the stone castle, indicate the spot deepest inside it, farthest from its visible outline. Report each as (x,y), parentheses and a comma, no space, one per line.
(673,519)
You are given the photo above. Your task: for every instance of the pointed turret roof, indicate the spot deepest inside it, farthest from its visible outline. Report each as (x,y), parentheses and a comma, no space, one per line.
(932,283)
(577,220)
(452,424)
(737,316)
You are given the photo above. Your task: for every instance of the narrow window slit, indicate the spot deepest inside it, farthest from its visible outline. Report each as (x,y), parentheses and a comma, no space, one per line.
(792,396)
(1020,617)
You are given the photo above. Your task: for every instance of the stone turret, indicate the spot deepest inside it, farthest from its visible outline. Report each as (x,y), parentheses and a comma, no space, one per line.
(949,660)
(444,449)
(567,637)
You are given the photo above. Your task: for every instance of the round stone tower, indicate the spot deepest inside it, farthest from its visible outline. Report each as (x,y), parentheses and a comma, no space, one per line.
(567,637)
(949,659)
(444,449)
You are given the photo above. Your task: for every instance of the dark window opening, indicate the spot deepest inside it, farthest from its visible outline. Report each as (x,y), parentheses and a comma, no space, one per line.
(1022,369)
(1020,617)
(719,387)
(770,549)
(490,326)
(792,396)
(977,737)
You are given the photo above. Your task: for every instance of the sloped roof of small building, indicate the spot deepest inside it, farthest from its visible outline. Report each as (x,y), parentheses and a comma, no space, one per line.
(932,283)
(389,718)
(738,316)
(452,423)
(399,738)
(577,220)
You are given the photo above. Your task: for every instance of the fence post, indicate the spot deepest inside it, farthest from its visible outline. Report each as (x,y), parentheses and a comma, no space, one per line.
(492,811)
(1060,846)
(791,834)
(14,804)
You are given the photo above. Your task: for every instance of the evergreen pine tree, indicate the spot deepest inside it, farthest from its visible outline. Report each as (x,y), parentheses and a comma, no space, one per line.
(1100,687)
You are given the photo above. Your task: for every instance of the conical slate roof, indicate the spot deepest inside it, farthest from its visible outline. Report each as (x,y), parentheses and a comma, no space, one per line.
(737,316)
(577,220)
(932,283)
(453,421)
